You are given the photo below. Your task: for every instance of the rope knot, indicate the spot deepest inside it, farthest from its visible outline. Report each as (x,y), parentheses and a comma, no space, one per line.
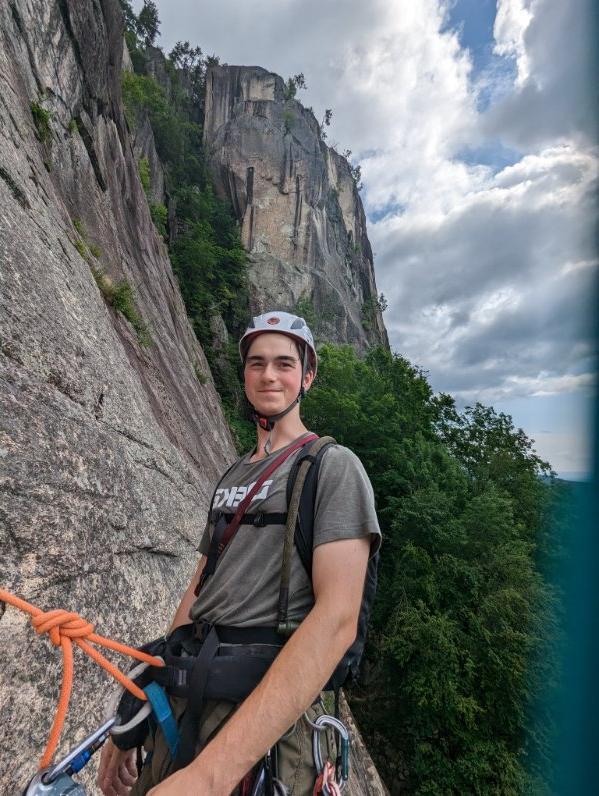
(59,624)
(65,628)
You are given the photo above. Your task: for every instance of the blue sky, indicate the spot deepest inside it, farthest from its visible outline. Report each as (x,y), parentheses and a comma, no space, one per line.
(474,124)
(474,20)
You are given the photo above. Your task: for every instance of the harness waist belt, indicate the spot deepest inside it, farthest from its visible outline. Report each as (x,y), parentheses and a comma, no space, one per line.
(239,635)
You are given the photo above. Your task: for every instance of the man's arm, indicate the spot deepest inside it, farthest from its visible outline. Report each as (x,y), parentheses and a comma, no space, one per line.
(182,613)
(293,681)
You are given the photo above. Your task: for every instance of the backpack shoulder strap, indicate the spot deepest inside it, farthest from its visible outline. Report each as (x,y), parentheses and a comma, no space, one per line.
(224,532)
(304,528)
(301,494)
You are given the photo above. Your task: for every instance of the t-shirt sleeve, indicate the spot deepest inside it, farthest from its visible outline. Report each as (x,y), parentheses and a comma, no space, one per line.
(344,507)
(204,545)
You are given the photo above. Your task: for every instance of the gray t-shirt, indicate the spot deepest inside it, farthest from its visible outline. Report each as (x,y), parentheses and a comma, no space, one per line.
(244,589)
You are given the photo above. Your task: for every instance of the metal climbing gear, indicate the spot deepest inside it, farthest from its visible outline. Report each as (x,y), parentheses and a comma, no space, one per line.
(266,783)
(328,774)
(56,780)
(66,628)
(118,727)
(157,705)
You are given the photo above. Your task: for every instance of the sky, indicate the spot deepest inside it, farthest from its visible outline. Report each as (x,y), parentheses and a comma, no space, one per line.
(474,125)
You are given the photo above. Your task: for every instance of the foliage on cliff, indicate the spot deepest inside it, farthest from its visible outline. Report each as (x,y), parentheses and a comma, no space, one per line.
(203,236)
(456,657)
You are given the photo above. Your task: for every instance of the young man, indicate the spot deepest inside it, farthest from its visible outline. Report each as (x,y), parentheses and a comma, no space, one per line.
(280,365)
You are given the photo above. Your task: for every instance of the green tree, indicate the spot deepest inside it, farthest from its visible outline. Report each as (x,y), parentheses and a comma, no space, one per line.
(129,16)
(325,122)
(148,24)
(464,620)
(184,56)
(293,84)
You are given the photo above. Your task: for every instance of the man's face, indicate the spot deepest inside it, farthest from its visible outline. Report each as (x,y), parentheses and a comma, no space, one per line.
(273,373)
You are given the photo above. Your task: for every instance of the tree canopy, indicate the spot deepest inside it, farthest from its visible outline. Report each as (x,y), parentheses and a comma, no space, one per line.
(462,611)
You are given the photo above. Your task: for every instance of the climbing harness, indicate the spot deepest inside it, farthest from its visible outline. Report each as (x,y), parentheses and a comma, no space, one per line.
(198,661)
(301,490)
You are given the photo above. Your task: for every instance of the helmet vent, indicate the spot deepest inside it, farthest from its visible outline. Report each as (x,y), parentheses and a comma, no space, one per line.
(298,323)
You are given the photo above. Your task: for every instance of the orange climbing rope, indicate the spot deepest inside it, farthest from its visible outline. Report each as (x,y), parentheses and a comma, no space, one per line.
(64,627)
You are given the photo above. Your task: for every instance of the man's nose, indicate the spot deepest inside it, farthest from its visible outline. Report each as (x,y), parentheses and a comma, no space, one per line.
(269,372)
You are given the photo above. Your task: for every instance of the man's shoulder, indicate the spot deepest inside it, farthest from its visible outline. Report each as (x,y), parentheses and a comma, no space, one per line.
(338,455)
(341,465)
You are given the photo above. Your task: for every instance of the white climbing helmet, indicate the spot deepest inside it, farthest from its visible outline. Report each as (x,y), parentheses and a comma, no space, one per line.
(283,323)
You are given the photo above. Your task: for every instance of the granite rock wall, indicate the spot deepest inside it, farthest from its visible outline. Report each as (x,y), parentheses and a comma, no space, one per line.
(108,448)
(300,212)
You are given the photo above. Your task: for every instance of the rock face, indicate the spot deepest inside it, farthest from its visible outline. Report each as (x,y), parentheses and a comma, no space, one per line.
(109,441)
(300,212)
(108,449)
(144,148)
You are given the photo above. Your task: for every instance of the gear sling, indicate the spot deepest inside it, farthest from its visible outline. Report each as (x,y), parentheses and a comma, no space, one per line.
(198,666)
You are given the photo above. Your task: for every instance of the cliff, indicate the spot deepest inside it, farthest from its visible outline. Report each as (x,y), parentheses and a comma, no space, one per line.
(109,442)
(111,431)
(298,205)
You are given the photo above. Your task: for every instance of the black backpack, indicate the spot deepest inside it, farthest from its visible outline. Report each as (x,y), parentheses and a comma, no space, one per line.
(348,668)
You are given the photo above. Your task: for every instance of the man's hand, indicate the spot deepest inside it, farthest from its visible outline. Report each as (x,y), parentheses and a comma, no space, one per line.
(117,772)
(188,781)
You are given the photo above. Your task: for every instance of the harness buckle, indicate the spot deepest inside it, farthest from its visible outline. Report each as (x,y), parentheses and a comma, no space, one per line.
(259,521)
(201,630)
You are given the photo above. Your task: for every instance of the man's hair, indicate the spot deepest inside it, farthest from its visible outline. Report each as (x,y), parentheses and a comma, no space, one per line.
(301,347)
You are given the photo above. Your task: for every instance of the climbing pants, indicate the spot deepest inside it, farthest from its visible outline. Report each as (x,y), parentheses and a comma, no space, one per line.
(294,751)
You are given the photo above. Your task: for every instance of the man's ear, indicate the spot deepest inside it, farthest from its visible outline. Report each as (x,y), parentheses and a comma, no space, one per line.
(308,379)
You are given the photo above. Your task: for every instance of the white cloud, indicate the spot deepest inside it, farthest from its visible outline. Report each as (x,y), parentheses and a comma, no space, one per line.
(485,295)
(511,23)
(488,273)
(555,97)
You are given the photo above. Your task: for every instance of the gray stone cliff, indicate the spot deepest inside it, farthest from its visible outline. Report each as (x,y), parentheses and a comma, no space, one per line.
(298,205)
(108,449)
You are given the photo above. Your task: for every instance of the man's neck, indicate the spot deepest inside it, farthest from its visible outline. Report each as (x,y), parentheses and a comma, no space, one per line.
(283,434)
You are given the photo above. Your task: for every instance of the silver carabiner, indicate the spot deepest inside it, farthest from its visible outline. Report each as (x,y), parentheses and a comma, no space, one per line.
(56,780)
(318,727)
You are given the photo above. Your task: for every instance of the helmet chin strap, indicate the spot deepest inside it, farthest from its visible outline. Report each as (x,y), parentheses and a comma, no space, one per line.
(267,422)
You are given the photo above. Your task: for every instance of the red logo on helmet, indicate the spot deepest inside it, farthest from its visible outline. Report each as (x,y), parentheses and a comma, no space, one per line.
(273,321)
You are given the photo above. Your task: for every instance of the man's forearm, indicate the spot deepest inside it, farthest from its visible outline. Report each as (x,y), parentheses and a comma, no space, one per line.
(182,613)
(290,686)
